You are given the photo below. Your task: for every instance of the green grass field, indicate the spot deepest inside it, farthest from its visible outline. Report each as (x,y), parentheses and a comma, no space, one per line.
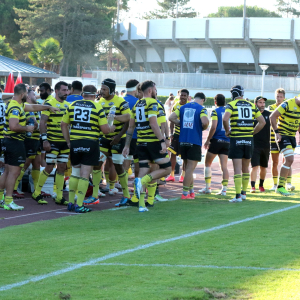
(253,259)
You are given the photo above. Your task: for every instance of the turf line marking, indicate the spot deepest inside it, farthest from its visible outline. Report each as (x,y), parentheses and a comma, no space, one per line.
(200,266)
(141,247)
(66,212)
(38,213)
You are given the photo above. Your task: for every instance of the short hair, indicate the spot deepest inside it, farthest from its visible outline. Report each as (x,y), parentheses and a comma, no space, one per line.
(89,89)
(77,85)
(281,91)
(59,84)
(200,95)
(20,88)
(147,84)
(220,99)
(171,97)
(185,91)
(131,83)
(45,85)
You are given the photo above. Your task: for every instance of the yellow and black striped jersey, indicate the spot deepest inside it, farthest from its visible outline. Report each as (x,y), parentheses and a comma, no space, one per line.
(176,106)
(288,122)
(15,110)
(2,117)
(161,117)
(271,108)
(141,112)
(85,117)
(53,124)
(242,117)
(36,134)
(122,108)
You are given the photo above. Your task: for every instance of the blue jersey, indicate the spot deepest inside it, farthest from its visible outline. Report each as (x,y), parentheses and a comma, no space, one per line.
(131,101)
(190,123)
(72,98)
(217,115)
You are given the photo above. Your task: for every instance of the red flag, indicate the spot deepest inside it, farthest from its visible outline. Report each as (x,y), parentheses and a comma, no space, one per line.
(19,79)
(9,87)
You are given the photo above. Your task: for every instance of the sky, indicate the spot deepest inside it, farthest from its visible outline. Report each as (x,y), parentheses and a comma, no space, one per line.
(140,7)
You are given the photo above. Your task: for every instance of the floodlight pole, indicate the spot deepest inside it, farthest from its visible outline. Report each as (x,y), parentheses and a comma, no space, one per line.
(264,68)
(176,9)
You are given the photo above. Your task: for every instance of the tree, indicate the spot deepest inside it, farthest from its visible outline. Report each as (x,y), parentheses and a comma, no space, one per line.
(5,49)
(290,7)
(46,52)
(78,26)
(237,12)
(168,9)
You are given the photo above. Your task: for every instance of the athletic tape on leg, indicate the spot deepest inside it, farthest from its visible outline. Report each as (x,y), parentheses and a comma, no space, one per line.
(102,157)
(62,158)
(75,172)
(129,157)
(51,158)
(117,159)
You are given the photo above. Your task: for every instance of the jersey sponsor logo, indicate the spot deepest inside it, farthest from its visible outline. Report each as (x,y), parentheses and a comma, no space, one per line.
(266,117)
(79,127)
(188,118)
(154,108)
(284,105)
(81,149)
(66,105)
(228,106)
(204,111)
(243,124)
(58,105)
(243,142)
(111,103)
(126,106)
(295,108)
(102,103)
(15,112)
(83,104)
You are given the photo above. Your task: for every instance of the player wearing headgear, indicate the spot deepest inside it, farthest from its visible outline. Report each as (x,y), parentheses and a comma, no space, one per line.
(57,150)
(261,153)
(112,144)
(151,142)
(241,114)
(86,118)
(288,115)
(217,143)
(192,120)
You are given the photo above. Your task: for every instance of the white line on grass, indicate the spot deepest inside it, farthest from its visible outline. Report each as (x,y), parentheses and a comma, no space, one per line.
(200,266)
(38,213)
(141,247)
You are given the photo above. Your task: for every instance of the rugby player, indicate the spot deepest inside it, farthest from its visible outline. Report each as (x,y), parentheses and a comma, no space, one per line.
(241,114)
(13,142)
(217,143)
(175,147)
(288,115)
(192,120)
(76,90)
(86,117)
(151,143)
(57,150)
(279,96)
(261,152)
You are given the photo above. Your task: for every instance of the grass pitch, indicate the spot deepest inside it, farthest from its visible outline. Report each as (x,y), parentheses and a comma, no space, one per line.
(255,259)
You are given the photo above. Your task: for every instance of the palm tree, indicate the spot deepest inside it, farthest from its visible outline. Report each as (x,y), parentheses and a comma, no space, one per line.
(5,49)
(46,52)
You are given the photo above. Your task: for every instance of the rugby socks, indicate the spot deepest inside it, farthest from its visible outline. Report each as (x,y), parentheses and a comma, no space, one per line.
(83,185)
(146,179)
(42,179)
(73,184)
(282,181)
(8,200)
(261,182)
(238,184)
(224,184)
(142,199)
(112,184)
(275,180)
(106,174)
(124,183)
(151,187)
(253,184)
(207,174)
(134,198)
(35,176)
(59,181)
(97,174)
(192,188)
(1,194)
(19,179)
(245,182)
(289,180)
(185,190)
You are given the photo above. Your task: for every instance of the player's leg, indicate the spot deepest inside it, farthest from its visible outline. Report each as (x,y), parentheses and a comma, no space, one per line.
(253,176)
(209,157)
(223,160)
(274,168)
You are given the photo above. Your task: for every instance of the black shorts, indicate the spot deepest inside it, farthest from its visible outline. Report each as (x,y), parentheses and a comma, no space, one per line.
(150,151)
(218,147)
(274,148)
(14,152)
(175,145)
(132,149)
(32,146)
(105,146)
(1,144)
(241,148)
(59,153)
(190,151)
(85,152)
(260,157)
(287,142)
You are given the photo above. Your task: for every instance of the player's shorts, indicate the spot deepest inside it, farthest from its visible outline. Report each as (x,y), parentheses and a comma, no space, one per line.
(190,151)
(132,149)
(218,147)
(288,142)
(241,148)
(150,151)
(260,157)
(14,152)
(59,153)
(105,146)
(85,152)
(175,145)
(274,148)
(32,146)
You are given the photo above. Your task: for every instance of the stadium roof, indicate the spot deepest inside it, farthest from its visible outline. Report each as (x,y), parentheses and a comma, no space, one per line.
(7,65)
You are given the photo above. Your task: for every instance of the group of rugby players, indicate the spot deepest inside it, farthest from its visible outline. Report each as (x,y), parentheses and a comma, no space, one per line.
(86,133)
